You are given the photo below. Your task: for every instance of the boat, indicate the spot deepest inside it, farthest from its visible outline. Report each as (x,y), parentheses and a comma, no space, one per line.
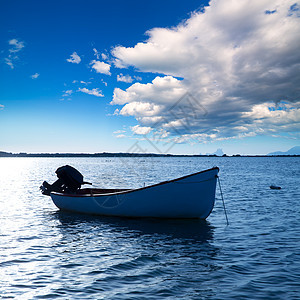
(190,196)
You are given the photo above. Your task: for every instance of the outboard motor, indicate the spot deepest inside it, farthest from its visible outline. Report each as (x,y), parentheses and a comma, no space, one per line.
(69,181)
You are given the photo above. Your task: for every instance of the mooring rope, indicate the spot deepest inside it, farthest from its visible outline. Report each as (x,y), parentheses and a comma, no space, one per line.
(223,200)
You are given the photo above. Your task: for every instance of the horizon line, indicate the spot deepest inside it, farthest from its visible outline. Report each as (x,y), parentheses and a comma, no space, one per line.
(132,154)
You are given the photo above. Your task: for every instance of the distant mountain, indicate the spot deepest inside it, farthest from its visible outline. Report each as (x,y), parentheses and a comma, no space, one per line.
(292,151)
(219,152)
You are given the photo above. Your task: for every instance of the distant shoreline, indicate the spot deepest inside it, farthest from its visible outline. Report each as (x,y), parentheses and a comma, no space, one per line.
(124,154)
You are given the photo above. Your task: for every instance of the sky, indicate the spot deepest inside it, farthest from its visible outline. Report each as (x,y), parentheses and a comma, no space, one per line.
(181,77)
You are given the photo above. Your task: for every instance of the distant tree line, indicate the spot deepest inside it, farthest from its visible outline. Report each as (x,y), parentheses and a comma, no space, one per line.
(125,154)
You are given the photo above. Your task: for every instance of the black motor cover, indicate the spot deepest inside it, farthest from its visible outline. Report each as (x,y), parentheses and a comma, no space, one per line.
(71,178)
(69,181)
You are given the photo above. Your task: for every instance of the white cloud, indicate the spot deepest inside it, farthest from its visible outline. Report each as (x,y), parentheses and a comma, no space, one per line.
(100,67)
(124,78)
(1,106)
(9,61)
(140,109)
(138,78)
(35,76)
(119,134)
(119,131)
(140,130)
(162,90)
(95,92)
(104,56)
(74,58)
(267,117)
(96,53)
(15,47)
(67,93)
(85,82)
(237,58)
(104,82)
(99,54)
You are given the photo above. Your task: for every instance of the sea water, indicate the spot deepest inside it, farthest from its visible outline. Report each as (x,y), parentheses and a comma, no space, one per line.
(45,253)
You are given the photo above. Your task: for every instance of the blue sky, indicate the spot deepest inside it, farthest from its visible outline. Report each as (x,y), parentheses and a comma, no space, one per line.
(158,76)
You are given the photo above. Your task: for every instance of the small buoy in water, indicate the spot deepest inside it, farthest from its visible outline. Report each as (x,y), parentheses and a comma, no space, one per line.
(274,187)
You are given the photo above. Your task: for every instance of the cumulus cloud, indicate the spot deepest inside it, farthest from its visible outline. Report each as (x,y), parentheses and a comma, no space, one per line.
(237,59)
(1,106)
(74,58)
(35,76)
(100,67)
(15,47)
(140,109)
(140,130)
(95,92)
(124,78)
(160,90)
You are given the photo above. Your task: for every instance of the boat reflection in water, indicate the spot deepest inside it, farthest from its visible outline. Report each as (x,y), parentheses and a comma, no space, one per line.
(188,229)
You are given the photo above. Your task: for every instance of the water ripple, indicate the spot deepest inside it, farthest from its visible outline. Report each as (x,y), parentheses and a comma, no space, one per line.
(46,254)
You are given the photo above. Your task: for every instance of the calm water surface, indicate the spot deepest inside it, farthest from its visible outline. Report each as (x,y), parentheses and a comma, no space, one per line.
(48,254)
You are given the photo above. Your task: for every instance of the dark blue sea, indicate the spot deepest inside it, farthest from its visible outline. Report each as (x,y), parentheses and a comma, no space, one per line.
(47,254)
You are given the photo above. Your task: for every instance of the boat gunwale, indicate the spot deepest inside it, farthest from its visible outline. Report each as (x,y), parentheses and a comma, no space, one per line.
(125,191)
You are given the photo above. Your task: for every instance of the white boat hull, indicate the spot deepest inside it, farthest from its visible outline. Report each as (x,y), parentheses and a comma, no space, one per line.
(191,196)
